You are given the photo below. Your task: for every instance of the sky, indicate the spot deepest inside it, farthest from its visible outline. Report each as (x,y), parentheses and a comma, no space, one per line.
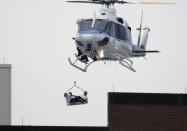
(36,38)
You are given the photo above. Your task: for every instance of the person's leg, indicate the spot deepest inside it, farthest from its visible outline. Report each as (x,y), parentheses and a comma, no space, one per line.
(80,99)
(72,100)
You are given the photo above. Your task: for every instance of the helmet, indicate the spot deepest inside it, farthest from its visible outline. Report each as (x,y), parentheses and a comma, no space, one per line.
(70,93)
(85,93)
(65,94)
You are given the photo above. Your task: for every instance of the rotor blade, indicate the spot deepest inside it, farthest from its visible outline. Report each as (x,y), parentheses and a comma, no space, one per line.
(124,2)
(90,2)
(157,2)
(102,2)
(109,2)
(146,51)
(94,0)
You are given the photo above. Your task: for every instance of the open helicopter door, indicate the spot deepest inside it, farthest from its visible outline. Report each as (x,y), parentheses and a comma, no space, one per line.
(72,99)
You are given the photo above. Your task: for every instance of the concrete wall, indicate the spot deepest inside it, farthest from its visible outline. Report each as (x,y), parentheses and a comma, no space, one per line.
(5,94)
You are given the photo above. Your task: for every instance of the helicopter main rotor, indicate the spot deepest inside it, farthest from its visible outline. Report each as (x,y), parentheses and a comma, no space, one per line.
(108,3)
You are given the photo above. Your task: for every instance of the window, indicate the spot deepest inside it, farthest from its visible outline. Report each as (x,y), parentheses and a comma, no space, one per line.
(112,27)
(120,20)
(108,28)
(100,24)
(120,32)
(123,33)
(117,30)
(84,25)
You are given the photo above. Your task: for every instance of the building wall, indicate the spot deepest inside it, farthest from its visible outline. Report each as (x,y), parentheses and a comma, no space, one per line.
(5,94)
(136,112)
(53,128)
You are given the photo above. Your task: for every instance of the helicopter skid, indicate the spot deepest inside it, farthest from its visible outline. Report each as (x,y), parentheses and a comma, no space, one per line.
(124,61)
(127,65)
(76,66)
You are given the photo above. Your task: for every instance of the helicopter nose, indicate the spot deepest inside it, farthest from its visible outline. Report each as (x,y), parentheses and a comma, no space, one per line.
(90,41)
(90,37)
(86,38)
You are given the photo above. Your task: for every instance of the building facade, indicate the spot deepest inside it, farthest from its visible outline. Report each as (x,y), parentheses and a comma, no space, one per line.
(147,112)
(5,94)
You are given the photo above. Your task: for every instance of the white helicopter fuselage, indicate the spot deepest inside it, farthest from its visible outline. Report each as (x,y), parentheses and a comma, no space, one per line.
(114,48)
(107,37)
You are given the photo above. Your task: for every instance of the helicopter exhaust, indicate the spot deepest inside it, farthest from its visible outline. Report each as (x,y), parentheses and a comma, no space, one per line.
(142,42)
(145,38)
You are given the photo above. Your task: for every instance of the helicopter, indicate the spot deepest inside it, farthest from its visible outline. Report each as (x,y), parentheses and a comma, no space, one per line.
(107,37)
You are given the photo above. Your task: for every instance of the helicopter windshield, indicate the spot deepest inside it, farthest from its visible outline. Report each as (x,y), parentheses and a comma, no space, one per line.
(104,26)
(98,25)
(85,25)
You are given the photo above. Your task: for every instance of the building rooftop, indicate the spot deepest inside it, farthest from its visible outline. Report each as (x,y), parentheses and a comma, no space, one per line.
(147,98)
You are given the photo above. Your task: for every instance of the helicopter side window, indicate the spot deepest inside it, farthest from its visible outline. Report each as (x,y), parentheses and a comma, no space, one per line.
(129,34)
(112,25)
(123,33)
(108,28)
(120,20)
(120,32)
(117,31)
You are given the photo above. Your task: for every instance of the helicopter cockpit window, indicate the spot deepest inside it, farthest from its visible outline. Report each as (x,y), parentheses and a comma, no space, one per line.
(100,24)
(85,25)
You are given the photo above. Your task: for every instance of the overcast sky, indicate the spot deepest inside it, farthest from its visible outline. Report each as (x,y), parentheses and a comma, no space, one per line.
(36,38)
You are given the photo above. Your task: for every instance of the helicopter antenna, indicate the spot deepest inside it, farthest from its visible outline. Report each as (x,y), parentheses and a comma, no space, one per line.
(140,30)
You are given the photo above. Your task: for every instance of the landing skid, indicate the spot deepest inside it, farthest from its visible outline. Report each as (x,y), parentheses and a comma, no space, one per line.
(76,66)
(125,63)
